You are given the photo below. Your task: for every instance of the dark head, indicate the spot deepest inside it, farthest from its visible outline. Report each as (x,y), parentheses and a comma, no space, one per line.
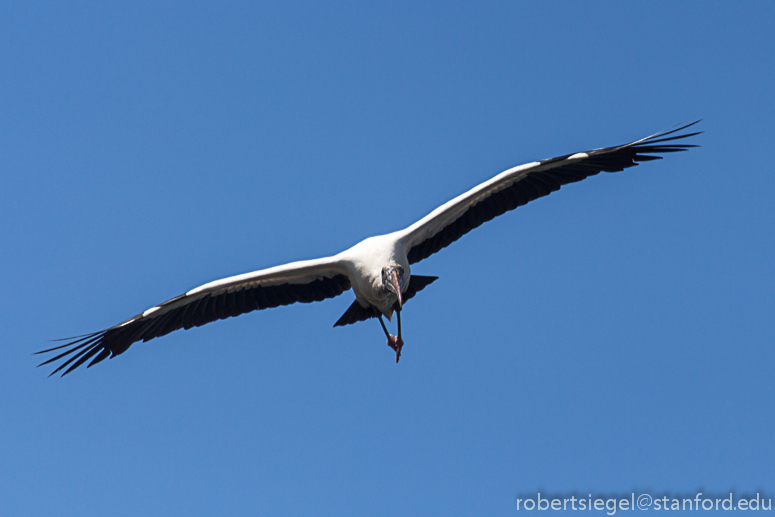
(393,280)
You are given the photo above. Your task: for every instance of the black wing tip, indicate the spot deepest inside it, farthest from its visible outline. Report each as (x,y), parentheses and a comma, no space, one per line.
(70,341)
(79,349)
(657,144)
(676,129)
(690,124)
(660,137)
(643,142)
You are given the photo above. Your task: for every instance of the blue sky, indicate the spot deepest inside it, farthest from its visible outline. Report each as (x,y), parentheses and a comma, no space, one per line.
(614,336)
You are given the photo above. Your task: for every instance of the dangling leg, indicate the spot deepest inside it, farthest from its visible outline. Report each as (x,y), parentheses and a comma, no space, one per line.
(399,341)
(391,340)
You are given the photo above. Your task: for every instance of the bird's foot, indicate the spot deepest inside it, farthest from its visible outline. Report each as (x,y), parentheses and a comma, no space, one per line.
(396,343)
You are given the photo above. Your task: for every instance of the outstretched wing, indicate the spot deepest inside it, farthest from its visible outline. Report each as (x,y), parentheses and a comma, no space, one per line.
(520,185)
(305,282)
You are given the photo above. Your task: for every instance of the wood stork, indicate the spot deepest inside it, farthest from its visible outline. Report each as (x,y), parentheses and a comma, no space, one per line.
(378,269)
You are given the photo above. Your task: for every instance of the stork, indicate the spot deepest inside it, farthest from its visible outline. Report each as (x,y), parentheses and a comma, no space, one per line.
(378,269)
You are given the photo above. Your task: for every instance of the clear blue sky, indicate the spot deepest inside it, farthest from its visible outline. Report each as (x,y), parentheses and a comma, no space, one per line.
(615,336)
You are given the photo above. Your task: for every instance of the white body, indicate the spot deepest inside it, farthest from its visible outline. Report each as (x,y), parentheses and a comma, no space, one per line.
(363,264)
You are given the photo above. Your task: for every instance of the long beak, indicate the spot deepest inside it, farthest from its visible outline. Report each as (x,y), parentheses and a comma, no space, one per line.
(397,283)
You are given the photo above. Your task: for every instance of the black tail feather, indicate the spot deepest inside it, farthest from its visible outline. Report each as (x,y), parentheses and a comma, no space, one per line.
(357,312)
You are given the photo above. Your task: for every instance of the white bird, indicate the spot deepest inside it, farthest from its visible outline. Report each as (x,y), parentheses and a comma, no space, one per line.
(378,269)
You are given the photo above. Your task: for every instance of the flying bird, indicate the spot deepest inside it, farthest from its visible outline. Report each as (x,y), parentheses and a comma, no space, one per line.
(377,269)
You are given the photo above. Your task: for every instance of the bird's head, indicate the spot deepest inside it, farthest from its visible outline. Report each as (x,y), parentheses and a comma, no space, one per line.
(393,280)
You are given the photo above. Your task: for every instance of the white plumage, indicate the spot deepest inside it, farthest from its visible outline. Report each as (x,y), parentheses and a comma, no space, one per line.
(377,269)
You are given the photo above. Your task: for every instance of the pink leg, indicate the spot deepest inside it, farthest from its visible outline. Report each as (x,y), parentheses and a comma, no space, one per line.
(399,341)
(396,343)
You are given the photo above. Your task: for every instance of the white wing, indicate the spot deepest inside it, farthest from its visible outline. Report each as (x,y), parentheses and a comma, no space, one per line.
(305,281)
(520,185)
